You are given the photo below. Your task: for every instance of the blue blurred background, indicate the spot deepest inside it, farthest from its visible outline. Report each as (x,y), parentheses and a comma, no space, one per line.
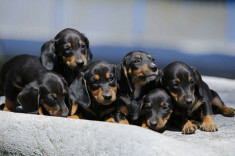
(198,32)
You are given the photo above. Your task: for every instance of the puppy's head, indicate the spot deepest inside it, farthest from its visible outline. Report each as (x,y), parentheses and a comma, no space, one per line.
(99,81)
(139,68)
(50,92)
(69,47)
(183,83)
(158,108)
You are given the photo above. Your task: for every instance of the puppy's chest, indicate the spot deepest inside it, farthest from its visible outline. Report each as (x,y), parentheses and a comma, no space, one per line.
(99,111)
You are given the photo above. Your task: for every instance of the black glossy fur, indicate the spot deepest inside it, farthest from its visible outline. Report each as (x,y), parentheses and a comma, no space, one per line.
(66,54)
(93,92)
(134,74)
(192,97)
(24,81)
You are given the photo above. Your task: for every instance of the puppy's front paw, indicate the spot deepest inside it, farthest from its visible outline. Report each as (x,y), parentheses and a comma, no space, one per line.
(189,128)
(208,127)
(227,111)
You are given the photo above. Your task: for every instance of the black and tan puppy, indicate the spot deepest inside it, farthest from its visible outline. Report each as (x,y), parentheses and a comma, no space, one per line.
(157,109)
(24,81)
(66,54)
(192,97)
(134,74)
(93,92)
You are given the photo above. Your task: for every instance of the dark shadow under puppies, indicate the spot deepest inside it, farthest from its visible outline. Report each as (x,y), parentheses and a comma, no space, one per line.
(93,92)
(27,83)
(134,74)
(66,54)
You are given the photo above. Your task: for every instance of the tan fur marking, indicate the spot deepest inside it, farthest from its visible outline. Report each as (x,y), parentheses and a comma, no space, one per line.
(70,61)
(162,122)
(197,105)
(40,112)
(174,95)
(110,120)
(149,56)
(208,124)
(10,106)
(227,111)
(129,71)
(80,42)
(108,75)
(162,104)
(189,128)
(54,111)
(84,59)
(54,95)
(74,108)
(74,117)
(144,70)
(137,56)
(144,125)
(189,79)
(149,104)
(125,71)
(64,91)
(124,122)
(69,44)
(178,80)
(97,77)
(124,110)
(17,86)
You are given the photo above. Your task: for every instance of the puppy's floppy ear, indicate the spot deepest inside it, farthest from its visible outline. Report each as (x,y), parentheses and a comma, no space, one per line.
(28,98)
(48,54)
(124,70)
(79,93)
(89,53)
(199,82)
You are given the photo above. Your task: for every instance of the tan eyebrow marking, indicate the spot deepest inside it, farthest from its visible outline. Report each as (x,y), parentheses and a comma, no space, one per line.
(108,75)
(149,104)
(189,79)
(80,42)
(162,104)
(149,56)
(137,56)
(54,95)
(69,44)
(178,80)
(97,77)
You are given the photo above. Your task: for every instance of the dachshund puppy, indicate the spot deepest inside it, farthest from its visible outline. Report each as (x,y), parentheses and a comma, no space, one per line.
(93,92)
(66,54)
(192,97)
(134,74)
(157,109)
(24,81)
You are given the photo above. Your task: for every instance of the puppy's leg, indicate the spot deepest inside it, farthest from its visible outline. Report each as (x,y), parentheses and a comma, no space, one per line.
(219,106)
(10,106)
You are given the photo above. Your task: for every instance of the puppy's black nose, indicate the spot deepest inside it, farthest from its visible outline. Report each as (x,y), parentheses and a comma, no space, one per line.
(153,68)
(80,62)
(153,123)
(107,96)
(188,101)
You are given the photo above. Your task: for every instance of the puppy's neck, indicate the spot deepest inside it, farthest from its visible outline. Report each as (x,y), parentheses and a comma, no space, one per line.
(137,91)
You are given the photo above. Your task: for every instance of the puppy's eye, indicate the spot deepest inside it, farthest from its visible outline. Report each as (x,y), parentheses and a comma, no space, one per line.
(83,46)
(153,59)
(136,61)
(164,107)
(175,85)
